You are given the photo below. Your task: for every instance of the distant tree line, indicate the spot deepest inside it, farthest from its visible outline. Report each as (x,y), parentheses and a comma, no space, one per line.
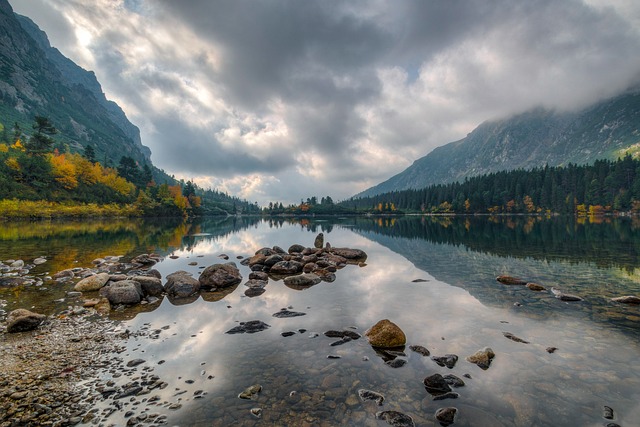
(603,187)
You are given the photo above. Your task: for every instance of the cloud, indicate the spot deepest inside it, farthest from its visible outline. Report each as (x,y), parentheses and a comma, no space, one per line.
(283,100)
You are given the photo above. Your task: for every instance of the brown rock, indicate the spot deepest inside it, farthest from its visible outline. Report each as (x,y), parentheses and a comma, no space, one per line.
(535,287)
(386,334)
(509,280)
(482,358)
(92,283)
(627,299)
(21,320)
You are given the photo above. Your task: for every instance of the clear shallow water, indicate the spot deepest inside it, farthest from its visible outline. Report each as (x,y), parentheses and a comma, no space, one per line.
(459,309)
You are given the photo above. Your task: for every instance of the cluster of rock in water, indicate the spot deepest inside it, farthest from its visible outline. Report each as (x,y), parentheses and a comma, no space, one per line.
(112,284)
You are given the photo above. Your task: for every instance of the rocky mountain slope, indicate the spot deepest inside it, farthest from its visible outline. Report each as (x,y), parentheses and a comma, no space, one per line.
(608,129)
(36,79)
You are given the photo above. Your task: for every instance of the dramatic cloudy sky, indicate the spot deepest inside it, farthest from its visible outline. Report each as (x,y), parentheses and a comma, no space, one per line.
(285,99)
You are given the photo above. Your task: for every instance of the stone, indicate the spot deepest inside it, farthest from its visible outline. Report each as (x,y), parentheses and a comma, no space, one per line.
(17,264)
(350,254)
(535,287)
(420,350)
(258,275)
(256,412)
(146,259)
(220,276)
(249,327)
(453,380)
(551,349)
(92,283)
(22,320)
(627,299)
(256,283)
(295,249)
(302,281)
(565,297)
(395,418)
(436,384)
(135,362)
(448,360)
(396,363)
(273,259)
(181,284)
(39,261)
(446,416)
(123,292)
(386,334)
(367,395)
(250,392)
(150,285)
(284,313)
(482,358)
(64,274)
(514,338)
(607,412)
(103,307)
(342,334)
(286,268)
(319,241)
(509,280)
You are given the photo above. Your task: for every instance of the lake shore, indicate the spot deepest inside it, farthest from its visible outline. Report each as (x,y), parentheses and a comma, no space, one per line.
(41,369)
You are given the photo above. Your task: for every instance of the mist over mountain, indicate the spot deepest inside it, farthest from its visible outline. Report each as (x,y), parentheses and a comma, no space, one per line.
(606,130)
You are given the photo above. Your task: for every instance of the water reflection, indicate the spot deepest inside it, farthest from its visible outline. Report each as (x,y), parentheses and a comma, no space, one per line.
(458,309)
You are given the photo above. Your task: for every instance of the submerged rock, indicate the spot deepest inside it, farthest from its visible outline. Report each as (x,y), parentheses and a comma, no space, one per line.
(366,395)
(302,280)
(395,418)
(453,380)
(386,334)
(249,327)
(448,360)
(446,416)
(514,338)
(420,350)
(342,334)
(250,391)
(284,313)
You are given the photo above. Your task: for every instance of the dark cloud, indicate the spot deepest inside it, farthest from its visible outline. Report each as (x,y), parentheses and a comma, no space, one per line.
(336,96)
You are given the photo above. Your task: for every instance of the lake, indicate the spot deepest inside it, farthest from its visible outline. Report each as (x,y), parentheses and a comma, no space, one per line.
(435,277)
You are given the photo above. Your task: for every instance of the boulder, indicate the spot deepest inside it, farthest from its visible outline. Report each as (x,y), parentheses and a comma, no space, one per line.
(266,252)
(181,284)
(92,283)
(64,274)
(482,358)
(286,268)
(220,276)
(386,334)
(150,285)
(250,327)
(565,297)
(509,280)
(302,281)
(22,320)
(256,283)
(436,384)
(259,275)
(123,292)
(295,249)
(350,254)
(319,241)
(273,259)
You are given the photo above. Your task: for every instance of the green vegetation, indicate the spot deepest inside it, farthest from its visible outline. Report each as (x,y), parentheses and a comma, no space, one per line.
(604,187)
(39,178)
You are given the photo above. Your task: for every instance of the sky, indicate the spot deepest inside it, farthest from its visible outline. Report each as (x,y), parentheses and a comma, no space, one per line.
(282,100)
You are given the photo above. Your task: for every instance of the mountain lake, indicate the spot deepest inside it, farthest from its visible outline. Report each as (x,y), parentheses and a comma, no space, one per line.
(434,277)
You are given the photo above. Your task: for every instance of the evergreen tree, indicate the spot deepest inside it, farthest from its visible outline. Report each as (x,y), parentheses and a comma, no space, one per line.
(41,141)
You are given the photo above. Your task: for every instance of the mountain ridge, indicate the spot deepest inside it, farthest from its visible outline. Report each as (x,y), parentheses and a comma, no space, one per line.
(36,79)
(607,129)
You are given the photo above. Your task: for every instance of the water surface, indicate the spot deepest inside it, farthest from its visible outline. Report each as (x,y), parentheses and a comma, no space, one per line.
(458,308)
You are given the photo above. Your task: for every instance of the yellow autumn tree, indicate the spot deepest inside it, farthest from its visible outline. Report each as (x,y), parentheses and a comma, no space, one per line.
(64,171)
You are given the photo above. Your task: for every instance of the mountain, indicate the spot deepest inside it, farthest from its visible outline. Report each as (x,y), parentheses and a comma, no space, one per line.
(606,130)
(36,79)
